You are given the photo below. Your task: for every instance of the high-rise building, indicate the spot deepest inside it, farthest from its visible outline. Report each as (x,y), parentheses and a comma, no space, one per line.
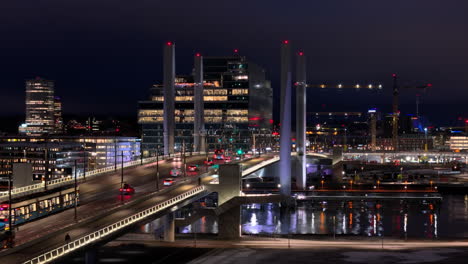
(40,108)
(58,114)
(237,102)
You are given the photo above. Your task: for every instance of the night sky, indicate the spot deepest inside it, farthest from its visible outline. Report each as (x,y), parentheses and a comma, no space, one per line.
(105,54)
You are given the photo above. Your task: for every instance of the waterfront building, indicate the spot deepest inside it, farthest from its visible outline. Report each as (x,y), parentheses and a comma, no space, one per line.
(237,103)
(60,153)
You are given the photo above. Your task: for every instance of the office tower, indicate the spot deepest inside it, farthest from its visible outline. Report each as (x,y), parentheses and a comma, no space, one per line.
(237,103)
(58,114)
(40,108)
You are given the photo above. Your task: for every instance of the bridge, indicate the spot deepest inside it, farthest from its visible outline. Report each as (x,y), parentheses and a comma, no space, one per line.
(102,217)
(55,183)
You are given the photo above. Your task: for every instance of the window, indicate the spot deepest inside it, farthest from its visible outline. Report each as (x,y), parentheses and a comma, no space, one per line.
(237,112)
(150,119)
(215,92)
(213,119)
(184,98)
(239,119)
(240,91)
(215,98)
(150,113)
(157,98)
(213,112)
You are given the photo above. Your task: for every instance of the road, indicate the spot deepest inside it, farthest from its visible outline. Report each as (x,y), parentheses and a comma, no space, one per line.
(99,198)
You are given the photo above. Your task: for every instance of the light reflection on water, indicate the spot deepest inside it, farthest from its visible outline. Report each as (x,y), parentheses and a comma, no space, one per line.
(372,218)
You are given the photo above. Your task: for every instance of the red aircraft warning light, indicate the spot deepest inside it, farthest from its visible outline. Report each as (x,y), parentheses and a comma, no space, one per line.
(301,53)
(198,55)
(286,41)
(169,43)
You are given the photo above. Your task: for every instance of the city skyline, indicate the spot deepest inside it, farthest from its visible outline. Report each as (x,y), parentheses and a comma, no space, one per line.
(112,66)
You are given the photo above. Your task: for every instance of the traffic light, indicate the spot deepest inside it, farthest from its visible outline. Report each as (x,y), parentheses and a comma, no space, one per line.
(240,152)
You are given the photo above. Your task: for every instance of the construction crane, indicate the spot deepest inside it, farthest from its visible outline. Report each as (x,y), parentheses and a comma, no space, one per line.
(396,112)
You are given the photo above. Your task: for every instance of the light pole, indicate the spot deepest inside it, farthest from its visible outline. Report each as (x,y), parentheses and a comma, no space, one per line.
(85,163)
(185,161)
(157,168)
(46,171)
(76,192)
(122,170)
(9,203)
(115,154)
(425,139)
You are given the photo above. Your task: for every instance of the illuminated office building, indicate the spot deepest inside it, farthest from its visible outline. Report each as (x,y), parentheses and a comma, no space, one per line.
(458,143)
(58,153)
(41,108)
(58,114)
(237,102)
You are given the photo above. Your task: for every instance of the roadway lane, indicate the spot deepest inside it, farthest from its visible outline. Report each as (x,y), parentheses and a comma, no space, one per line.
(102,205)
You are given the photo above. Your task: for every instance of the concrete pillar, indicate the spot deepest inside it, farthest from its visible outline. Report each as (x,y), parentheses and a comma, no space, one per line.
(199,124)
(301,94)
(229,223)
(395,114)
(91,256)
(169,94)
(301,104)
(169,227)
(230,182)
(301,172)
(373,129)
(285,119)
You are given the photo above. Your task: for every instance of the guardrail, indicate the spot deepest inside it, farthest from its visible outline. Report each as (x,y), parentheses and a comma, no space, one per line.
(260,165)
(83,241)
(15,192)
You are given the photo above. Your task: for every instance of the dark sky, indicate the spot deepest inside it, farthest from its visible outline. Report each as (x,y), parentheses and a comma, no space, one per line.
(105,54)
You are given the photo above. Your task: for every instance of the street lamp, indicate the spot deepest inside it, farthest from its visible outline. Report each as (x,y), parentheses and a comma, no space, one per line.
(122,170)
(185,161)
(425,136)
(322,182)
(76,192)
(9,203)
(157,168)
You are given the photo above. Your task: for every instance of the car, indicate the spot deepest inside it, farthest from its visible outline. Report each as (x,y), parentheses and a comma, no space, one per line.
(175,172)
(227,159)
(168,182)
(177,158)
(192,168)
(127,189)
(208,162)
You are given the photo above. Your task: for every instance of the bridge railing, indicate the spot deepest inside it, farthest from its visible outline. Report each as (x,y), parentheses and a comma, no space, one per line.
(81,176)
(259,166)
(90,238)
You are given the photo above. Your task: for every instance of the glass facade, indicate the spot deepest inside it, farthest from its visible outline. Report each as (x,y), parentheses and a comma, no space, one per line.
(43,111)
(237,101)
